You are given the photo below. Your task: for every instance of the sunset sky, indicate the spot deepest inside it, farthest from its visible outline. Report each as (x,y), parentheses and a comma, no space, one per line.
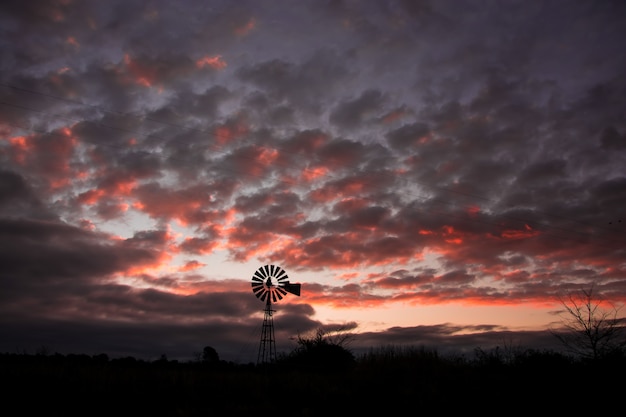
(433,173)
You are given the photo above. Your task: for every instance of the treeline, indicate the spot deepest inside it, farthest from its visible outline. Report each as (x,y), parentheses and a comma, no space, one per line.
(321,379)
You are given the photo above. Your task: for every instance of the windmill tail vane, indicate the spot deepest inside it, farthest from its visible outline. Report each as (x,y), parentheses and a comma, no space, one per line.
(292,288)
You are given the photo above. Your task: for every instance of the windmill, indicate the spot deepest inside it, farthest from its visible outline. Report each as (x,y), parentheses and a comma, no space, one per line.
(270,283)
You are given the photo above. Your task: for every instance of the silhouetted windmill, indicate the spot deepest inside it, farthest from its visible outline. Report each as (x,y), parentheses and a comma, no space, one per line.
(270,283)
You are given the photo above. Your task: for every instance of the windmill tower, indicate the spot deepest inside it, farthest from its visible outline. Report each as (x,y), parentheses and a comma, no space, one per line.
(270,283)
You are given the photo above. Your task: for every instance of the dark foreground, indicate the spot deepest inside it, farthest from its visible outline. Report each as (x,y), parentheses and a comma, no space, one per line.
(387,383)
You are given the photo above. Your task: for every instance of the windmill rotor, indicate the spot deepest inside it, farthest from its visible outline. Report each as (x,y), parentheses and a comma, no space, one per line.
(270,283)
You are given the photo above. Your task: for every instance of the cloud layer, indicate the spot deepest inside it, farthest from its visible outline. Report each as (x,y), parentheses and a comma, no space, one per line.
(401,152)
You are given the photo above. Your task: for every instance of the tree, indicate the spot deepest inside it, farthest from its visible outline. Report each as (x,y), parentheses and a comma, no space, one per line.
(210,355)
(591,328)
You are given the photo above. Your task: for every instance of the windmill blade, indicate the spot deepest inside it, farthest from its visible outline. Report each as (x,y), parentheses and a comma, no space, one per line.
(259,274)
(281,274)
(267,270)
(281,291)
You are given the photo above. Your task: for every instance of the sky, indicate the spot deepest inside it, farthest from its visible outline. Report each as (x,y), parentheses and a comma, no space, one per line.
(432,173)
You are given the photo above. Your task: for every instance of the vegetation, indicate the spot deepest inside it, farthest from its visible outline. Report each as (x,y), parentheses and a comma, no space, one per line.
(319,378)
(323,377)
(324,352)
(591,327)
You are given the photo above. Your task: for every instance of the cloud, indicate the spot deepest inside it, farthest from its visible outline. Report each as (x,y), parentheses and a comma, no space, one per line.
(394,155)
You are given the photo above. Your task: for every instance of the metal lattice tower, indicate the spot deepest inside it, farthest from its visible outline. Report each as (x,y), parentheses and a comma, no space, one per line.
(267,346)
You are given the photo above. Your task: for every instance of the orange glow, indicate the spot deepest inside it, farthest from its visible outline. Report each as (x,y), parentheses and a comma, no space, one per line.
(295,254)
(57,16)
(310,174)
(354,187)
(323,195)
(245,29)
(263,158)
(81,174)
(125,187)
(267,156)
(215,62)
(393,116)
(143,76)
(72,41)
(348,276)
(158,265)
(20,142)
(451,235)
(418,256)
(225,134)
(473,210)
(520,234)
(230,216)
(21,146)
(274,244)
(59,182)
(90,197)
(144,81)
(456,241)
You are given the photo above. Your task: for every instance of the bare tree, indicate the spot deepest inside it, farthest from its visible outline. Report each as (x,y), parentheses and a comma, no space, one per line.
(591,327)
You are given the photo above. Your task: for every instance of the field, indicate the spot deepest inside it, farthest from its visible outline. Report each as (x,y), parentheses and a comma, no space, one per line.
(387,381)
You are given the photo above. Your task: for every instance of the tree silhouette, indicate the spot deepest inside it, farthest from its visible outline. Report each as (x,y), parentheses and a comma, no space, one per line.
(591,327)
(209,355)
